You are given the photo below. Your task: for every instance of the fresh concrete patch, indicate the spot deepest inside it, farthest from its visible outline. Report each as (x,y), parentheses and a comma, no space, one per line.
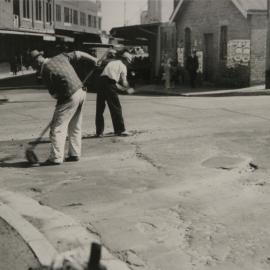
(223,162)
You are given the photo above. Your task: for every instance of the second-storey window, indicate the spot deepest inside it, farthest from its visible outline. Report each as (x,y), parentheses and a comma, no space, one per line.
(89,20)
(82,18)
(26,9)
(38,10)
(95,21)
(99,23)
(67,15)
(58,13)
(48,11)
(75,16)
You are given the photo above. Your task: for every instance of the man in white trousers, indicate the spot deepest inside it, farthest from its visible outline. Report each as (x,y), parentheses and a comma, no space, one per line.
(64,85)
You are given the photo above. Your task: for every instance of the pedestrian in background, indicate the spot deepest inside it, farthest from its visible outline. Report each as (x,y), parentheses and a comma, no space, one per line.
(112,79)
(192,68)
(64,85)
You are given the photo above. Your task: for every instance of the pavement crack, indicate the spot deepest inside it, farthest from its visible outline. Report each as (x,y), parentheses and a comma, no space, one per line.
(90,227)
(131,258)
(140,155)
(247,114)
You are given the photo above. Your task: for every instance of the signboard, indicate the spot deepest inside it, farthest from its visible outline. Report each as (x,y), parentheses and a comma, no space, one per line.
(238,52)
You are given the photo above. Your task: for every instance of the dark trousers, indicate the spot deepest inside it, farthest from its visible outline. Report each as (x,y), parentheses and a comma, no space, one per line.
(107,92)
(193,77)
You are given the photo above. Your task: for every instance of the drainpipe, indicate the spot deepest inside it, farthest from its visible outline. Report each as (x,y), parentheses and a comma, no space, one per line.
(267,69)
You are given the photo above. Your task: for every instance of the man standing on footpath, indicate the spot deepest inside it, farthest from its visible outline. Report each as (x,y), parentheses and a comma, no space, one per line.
(112,79)
(64,85)
(192,67)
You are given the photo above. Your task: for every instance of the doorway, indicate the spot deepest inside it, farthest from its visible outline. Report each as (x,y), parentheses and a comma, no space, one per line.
(208,57)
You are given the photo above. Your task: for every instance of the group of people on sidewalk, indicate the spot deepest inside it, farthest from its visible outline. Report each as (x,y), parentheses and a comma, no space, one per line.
(63,83)
(173,72)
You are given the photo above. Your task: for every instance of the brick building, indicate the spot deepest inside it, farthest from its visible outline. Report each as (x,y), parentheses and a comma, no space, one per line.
(228,35)
(41,24)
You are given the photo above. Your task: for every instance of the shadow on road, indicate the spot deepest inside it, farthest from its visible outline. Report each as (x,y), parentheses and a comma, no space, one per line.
(20,164)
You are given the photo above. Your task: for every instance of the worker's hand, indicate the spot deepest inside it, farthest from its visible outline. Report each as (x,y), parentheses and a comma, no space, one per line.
(130,91)
(98,63)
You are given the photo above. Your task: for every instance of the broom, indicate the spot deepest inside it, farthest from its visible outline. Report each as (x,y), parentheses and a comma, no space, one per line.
(30,155)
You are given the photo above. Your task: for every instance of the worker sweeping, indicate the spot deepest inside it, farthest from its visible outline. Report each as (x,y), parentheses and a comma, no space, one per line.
(112,79)
(64,85)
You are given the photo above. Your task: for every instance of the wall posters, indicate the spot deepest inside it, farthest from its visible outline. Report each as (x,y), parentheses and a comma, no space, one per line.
(238,52)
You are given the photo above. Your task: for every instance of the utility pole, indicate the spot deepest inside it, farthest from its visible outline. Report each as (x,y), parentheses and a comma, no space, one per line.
(125,12)
(267,69)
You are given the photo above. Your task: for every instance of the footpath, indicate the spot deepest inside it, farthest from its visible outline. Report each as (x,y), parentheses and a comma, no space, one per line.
(40,237)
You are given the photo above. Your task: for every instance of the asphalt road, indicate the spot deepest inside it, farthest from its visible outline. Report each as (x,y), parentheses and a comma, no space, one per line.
(189,189)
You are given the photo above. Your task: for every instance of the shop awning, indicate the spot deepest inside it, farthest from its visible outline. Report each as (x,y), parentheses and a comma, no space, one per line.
(49,38)
(46,37)
(65,38)
(23,33)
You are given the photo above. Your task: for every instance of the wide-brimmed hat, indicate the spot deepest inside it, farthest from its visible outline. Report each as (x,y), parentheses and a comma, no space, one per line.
(34,54)
(127,56)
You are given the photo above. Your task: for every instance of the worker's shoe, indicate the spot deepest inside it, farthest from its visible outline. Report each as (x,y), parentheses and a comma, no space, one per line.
(123,134)
(49,162)
(99,135)
(72,159)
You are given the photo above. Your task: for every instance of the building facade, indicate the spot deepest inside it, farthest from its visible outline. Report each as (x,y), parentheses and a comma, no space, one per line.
(41,24)
(228,35)
(157,11)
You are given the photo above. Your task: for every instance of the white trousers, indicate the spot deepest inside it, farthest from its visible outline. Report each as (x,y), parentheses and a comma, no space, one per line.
(67,119)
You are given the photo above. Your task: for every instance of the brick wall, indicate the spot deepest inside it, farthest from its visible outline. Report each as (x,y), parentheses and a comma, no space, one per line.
(258,48)
(207,16)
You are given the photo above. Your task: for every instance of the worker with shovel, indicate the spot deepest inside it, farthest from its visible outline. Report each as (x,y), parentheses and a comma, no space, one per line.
(64,85)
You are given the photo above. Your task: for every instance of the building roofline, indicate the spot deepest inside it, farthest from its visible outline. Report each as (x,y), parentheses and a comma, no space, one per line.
(176,10)
(243,11)
(240,8)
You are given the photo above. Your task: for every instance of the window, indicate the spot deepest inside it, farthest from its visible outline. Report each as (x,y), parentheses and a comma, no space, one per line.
(58,13)
(82,18)
(223,42)
(75,16)
(48,11)
(99,23)
(26,9)
(95,21)
(67,15)
(89,20)
(38,10)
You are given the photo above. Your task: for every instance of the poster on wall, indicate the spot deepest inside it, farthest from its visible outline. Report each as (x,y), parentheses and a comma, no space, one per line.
(200,60)
(238,52)
(180,56)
